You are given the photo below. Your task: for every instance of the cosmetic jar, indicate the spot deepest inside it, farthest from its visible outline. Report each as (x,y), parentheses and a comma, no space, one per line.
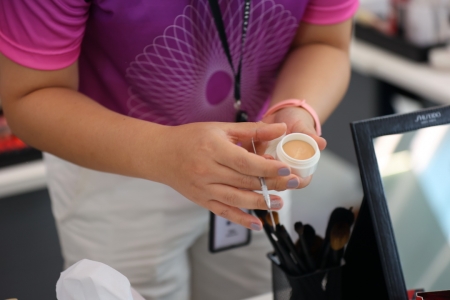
(300,167)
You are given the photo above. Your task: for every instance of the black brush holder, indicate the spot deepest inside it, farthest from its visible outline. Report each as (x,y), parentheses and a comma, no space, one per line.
(320,285)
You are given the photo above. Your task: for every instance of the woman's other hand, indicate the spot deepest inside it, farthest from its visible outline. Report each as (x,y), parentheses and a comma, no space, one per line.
(299,120)
(204,162)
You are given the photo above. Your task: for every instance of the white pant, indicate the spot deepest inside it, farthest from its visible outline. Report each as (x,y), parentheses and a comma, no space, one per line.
(152,235)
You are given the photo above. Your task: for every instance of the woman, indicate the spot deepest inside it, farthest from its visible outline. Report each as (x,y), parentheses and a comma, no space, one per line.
(135,105)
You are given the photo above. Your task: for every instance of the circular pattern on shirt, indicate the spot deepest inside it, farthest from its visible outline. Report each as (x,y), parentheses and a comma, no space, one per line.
(219,87)
(184,76)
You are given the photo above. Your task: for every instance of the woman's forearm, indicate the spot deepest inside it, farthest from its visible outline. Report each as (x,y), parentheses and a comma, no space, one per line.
(316,72)
(72,126)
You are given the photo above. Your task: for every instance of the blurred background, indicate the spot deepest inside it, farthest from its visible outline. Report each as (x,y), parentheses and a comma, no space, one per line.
(400,63)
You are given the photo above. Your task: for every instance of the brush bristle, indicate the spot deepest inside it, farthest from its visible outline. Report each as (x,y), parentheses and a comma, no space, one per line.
(276,217)
(298,226)
(263,220)
(261,214)
(339,235)
(268,219)
(338,216)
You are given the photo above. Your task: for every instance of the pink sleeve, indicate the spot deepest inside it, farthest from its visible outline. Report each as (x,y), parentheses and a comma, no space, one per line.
(44,35)
(326,12)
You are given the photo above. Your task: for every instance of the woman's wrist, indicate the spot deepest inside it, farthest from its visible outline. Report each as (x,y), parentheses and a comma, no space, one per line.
(296,103)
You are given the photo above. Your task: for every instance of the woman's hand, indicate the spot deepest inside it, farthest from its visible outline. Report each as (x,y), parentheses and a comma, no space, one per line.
(299,120)
(204,163)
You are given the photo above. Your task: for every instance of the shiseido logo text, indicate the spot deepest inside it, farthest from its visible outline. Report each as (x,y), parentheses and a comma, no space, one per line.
(428,117)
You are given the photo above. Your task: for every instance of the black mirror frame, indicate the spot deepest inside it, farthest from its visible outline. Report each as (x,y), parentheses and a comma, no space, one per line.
(363,134)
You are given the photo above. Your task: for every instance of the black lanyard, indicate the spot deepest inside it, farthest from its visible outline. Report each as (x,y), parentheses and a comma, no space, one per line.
(241,116)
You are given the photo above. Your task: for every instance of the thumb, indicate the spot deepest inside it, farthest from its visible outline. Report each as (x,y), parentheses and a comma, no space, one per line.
(259,131)
(321,142)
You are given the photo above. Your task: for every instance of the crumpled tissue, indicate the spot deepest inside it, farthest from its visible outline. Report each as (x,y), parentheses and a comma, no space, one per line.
(92,280)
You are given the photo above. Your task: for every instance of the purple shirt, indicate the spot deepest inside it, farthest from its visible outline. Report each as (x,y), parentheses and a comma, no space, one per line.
(162,61)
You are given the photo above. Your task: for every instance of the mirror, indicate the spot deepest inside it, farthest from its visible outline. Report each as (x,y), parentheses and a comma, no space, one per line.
(415,172)
(402,239)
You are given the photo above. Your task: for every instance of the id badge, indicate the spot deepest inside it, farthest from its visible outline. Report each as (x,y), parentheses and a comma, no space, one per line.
(224,234)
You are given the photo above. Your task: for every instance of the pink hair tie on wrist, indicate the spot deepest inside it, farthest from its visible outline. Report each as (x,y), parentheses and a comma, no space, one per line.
(297,103)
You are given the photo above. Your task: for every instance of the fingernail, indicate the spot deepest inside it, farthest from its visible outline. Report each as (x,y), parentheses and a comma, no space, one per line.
(275,204)
(255,226)
(284,172)
(292,183)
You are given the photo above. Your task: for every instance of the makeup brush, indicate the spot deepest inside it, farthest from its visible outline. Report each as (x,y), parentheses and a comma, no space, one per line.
(316,248)
(286,241)
(339,236)
(273,220)
(298,227)
(306,236)
(270,219)
(260,214)
(280,242)
(268,226)
(338,232)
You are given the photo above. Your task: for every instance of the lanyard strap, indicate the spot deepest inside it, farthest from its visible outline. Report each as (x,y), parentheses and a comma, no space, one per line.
(218,20)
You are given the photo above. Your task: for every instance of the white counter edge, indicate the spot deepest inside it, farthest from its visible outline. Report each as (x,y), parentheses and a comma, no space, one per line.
(419,78)
(22,178)
(268,296)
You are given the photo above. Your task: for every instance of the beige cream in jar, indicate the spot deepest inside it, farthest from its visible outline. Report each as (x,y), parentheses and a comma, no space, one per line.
(299,149)
(300,152)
